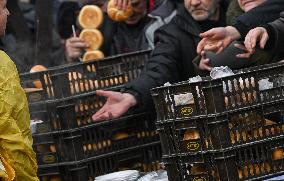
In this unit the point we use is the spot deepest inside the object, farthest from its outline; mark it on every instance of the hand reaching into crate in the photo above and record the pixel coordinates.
(116, 105)
(217, 39)
(257, 34)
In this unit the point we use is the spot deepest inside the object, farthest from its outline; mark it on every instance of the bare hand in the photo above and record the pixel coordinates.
(74, 47)
(257, 34)
(122, 4)
(117, 104)
(243, 55)
(217, 39)
(204, 63)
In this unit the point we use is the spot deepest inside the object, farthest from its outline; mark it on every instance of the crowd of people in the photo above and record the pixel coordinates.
(187, 38)
(198, 29)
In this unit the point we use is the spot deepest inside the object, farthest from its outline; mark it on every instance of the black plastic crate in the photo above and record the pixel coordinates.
(251, 125)
(250, 162)
(144, 158)
(218, 96)
(65, 114)
(100, 138)
(64, 81)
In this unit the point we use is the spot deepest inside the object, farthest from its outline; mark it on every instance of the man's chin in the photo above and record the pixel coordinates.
(200, 17)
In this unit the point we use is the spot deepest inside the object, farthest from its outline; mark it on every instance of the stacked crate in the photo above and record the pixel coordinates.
(223, 129)
(68, 144)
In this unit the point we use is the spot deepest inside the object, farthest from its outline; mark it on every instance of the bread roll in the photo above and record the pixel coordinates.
(191, 134)
(30, 90)
(52, 148)
(93, 38)
(93, 55)
(74, 75)
(90, 17)
(37, 68)
(277, 154)
(116, 14)
(120, 136)
(198, 169)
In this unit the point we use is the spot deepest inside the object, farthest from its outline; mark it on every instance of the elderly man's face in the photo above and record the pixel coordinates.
(4, 13)
(202, 10)
(139, 11)
(247, 5)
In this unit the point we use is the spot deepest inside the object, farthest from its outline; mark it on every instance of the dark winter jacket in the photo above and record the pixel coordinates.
(260, 56)
(275, 31)
(171, 60)
(266, 12)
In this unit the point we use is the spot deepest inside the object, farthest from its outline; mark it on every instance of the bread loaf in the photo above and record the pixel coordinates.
(116, 14)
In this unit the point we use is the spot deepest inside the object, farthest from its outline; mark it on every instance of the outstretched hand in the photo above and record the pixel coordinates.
(217, 39)
(254, 36)
(116, 105)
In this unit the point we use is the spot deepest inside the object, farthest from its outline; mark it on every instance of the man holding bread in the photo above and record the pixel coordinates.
(132, 32)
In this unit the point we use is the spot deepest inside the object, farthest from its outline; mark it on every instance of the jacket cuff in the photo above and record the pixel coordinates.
(242, 29)
(127, 89)
(272, 36)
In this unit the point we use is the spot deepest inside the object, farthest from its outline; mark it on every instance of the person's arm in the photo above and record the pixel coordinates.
(275, 31)
(74, 47)
(264, 13)
(269, 37)
(161, 67)
(217, 39)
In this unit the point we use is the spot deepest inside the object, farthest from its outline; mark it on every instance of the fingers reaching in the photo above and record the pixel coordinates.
(204, 64)
(247, 54)
(263, 40)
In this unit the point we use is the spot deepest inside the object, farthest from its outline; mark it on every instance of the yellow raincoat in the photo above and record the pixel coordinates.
(16, 153)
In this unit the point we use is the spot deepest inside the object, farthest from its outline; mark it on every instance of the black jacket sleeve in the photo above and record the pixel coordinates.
(263, 14)
(275, 31)
(162, 67)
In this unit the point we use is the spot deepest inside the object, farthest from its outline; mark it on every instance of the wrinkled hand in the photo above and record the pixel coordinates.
(217, 39)
(247, 54)
(74, 48)
(122, 4)
(116, 105)
(204, 63)
(255, 35)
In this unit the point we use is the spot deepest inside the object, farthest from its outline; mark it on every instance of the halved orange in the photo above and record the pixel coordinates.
(116, 14)
(90, 17)
(93, 55)
(93, 38)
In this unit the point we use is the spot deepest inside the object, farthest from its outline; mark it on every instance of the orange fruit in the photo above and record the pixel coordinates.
(93, 38)
(93, 55)
(37, 68)
(116, 14)
(90, 17)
